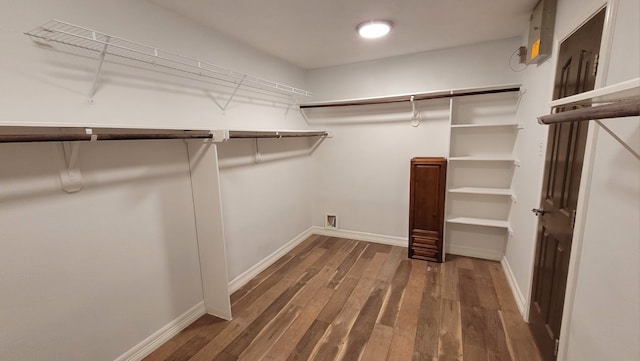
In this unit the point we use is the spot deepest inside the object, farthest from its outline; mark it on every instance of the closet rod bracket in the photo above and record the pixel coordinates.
(415, 121)
(68, 153)
(257, 155)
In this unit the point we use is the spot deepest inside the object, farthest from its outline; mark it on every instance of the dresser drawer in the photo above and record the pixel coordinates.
(425, 242)
(427, 254)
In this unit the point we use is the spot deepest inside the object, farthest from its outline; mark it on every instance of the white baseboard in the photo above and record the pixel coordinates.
(517, 294)
(151, 343)
(483, 253)
(247, 275)
(361, 236)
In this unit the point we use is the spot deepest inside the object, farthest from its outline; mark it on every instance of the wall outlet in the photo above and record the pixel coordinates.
(330, 221)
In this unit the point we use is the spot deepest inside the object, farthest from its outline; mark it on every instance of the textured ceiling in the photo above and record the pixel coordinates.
(321, 33)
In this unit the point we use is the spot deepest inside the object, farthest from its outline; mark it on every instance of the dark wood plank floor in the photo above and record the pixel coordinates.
(339, 299)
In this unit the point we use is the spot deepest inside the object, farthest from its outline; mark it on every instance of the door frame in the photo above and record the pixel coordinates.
(587, 170)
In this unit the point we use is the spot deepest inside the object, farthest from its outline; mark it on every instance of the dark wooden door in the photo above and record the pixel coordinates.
(575, 73)
(426, 208)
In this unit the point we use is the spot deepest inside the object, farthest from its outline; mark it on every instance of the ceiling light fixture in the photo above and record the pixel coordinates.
(374, 29)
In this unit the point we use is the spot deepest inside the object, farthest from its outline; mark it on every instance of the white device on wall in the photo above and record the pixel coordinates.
(541, 27)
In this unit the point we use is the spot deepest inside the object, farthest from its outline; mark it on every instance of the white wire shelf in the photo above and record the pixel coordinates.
(105, 45)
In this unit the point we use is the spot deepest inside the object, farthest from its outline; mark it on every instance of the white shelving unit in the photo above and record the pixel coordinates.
(481, 166)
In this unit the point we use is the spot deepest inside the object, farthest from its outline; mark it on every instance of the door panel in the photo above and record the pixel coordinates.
(575, 73)
(427, 189)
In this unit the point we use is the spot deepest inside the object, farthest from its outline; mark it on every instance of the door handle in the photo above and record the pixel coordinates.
(538, 211)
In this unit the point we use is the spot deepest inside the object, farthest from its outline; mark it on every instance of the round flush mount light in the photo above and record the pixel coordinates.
(374, 29)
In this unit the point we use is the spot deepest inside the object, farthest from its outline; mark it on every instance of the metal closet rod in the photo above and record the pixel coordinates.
(623, 108)
(409, 98)
(26, 138)
(275, 134)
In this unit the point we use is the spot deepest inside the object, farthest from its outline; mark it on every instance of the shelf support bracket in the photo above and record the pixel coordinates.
(235, 91)
(68, 153)
(521, 93)
(304, 115)
(103, 53)
(414, 114)
(70, 175)
(624, 144)
(291, 105)
(317, 143)
(258, 155)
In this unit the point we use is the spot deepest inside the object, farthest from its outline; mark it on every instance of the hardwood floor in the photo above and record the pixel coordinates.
(339, 299)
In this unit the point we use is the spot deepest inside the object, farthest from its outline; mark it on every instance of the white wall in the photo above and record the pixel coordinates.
(527, 179)
(87, 276)
(362, 174)
(605, 320)
(463, 67)
(263, 204)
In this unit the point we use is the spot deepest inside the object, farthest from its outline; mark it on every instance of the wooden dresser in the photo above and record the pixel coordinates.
(426, 208)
